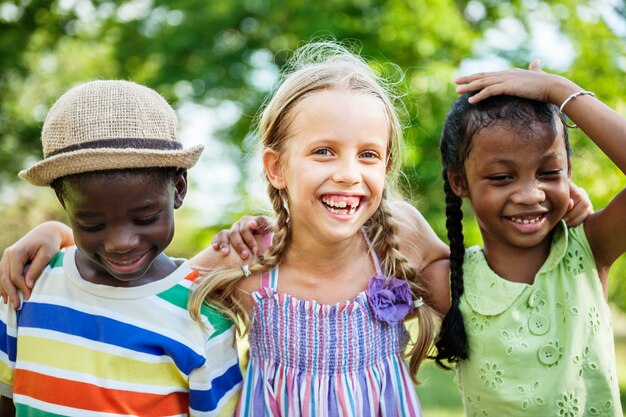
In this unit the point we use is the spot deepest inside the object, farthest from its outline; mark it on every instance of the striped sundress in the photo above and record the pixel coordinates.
(310, 359)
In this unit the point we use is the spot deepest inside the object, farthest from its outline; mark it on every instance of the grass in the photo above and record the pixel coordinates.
(440, 398)
(438, 393)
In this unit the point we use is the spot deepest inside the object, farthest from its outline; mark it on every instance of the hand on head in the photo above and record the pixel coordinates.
(532, 84)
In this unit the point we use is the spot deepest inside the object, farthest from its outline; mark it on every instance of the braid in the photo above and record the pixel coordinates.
(383, 232)
(220, 287)
(452, 341)
(282, 231)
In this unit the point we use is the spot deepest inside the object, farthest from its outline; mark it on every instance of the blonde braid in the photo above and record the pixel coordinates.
(219, 288)
(383, 231)
(282, 231)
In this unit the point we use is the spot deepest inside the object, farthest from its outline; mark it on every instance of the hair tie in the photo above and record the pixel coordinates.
(246, 270)
(417, 303)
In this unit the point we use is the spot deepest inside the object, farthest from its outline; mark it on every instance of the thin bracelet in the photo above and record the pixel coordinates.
(567, 100)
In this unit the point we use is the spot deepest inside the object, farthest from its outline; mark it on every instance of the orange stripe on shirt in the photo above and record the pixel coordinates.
(85, 396)
(192, 276)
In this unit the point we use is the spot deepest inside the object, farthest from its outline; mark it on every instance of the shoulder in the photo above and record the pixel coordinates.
(423, 248)
(418, 240)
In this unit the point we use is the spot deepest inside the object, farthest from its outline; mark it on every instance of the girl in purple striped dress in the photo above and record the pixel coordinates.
(325, 302)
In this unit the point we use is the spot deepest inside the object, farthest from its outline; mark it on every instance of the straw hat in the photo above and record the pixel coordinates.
(109, 124)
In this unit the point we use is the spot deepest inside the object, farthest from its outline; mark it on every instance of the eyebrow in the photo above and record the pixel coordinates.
(145, 207)
(91, 214)
(498, 160)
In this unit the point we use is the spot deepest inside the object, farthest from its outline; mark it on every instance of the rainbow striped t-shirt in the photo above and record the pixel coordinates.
(83, 349)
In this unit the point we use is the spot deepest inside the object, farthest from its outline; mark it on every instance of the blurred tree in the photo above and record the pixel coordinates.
(217, 52)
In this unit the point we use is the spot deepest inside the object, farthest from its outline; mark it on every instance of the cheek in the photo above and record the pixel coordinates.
(163, 231)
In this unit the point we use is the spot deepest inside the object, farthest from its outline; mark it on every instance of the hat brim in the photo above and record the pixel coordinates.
(88, 160)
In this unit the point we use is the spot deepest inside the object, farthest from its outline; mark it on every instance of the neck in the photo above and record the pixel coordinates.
(327, 273)
(527, 262)
(312, 255)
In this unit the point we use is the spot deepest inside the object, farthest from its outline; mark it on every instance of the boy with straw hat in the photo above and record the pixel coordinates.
(106, 330)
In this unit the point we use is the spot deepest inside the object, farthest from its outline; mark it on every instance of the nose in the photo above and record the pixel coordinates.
(529, 193)
(347, 172)
(120, 240)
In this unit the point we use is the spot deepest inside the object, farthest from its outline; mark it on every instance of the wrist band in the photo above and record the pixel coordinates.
(567, 100)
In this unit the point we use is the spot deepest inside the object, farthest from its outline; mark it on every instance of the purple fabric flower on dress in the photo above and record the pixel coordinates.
(391, 299)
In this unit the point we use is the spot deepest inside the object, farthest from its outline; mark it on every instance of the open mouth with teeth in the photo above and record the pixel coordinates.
(126, 265)
(341, 205)
(527, 219)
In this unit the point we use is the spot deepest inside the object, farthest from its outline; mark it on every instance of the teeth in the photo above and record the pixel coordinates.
(123, 262)
(341, 204)
(526, 221)
(344, 211)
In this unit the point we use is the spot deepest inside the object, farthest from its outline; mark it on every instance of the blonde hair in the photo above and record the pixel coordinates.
(316, 67)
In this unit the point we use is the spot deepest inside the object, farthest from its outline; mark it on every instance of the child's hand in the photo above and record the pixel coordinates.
(533, 84)
(34, 249)
(241, 236)
(580, 206)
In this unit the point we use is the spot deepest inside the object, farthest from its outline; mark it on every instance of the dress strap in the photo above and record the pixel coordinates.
(375, 260)
(269, 279)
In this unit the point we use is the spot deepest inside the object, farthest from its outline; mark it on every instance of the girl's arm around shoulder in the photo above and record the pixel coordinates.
(36, 248)
(422, 247)
(211, 260)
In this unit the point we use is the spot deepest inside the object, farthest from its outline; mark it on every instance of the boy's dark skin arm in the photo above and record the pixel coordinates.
(7, 409)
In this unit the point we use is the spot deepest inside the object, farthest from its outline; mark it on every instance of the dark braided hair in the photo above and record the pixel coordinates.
(464, 120)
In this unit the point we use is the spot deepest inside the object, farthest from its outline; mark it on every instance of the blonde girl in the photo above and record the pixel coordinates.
(327, 334)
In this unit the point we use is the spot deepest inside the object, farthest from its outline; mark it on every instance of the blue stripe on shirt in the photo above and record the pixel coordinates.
(106, 330)
(208, 400)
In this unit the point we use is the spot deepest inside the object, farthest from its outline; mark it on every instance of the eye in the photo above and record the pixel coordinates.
(147, 220)
(91, 229)
(550, 173)
(500, 178)
(369, 155)
(323, 152)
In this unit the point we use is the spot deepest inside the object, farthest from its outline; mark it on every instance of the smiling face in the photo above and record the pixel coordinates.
(334, 163)
(122, 223)
(518, 183)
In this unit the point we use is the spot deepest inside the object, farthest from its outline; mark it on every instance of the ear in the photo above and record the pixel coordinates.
(458, 184)
(273, 169)
(180, 187)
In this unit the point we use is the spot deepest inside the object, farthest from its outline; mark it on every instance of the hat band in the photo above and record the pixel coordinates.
(162, 144)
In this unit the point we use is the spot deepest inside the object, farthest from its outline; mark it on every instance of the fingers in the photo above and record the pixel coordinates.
(264, 224)
(535, 65)
(8, 291)
(221, 242)
(486, 85)
(3, 273)
(240, 237)
(578, 212)
(237, 241)
(34, 270)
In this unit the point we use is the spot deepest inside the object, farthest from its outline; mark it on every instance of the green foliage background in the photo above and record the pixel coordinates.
(217, 52)
(222, 51)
